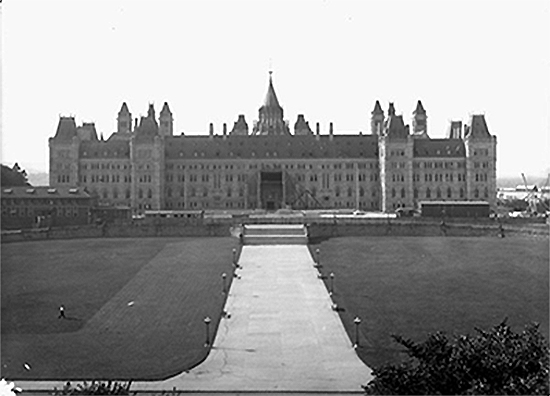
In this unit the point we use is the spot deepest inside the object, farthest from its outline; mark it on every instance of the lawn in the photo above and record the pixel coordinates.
(415, 285)
(173, 283)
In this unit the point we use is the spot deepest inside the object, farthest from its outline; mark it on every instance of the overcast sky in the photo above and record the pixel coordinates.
(331, 61)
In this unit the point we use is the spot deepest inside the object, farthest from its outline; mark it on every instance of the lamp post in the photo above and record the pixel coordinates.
(317, 259)
(357, 322)
(331, 283)
(207, 321)
(224, 276)
(234, 256)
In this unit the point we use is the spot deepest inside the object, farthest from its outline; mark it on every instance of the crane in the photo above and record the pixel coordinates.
(533, 199)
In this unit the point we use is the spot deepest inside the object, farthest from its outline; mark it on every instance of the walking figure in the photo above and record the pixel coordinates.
(443, 227)
(61, 312)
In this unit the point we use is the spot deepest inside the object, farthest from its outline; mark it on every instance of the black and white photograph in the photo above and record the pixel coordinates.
(310, 197)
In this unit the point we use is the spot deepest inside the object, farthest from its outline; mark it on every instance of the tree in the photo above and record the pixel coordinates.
(492, 362)
(13, 176)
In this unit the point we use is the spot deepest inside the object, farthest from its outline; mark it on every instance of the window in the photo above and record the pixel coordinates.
(449, 192)
(428, 193)
(393, 192)
(438, 192)
(402, 193)
(149, 193)
(476, 193)
(415, 193)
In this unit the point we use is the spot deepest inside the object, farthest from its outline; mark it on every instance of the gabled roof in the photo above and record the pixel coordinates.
(439, 148)
(66, 128)
(271, 98)
(271, 147)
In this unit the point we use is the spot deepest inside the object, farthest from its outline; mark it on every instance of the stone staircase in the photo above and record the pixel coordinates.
(275, 234)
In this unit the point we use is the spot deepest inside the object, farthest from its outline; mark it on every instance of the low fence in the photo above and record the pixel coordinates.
(319, 228)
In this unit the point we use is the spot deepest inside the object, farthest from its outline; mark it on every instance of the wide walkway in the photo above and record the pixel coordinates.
(282, 334)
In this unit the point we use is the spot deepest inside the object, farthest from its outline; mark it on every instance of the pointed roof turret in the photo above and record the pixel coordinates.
(377, 109)
(391, 110)
(151, 111)
(165, 109)
(419, 108)
(271, 97)
(124, 109)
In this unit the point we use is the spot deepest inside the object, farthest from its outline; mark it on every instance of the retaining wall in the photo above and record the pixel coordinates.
(318, 229)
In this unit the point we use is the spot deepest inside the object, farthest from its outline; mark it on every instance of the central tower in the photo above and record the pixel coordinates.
(271, 120)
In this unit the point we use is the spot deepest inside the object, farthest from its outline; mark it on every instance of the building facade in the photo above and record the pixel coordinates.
(37, 207)
(143, 165)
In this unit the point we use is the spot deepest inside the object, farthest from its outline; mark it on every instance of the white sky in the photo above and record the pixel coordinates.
(331, 60)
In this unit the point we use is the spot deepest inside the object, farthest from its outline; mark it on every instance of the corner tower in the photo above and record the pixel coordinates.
(270, 120)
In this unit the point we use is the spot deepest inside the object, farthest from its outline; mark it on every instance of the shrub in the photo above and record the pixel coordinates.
(95, 388)
(492, 362)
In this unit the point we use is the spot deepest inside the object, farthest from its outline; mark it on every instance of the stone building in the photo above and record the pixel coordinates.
(37, 207)
(143, 165)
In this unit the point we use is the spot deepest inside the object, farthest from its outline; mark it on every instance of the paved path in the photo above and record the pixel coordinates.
(282, 334)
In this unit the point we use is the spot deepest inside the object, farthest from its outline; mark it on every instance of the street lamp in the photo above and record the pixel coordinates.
(357, 322)
(207, 321)
(318, 258)
(331, 283)
(224, 276)
(234, 256)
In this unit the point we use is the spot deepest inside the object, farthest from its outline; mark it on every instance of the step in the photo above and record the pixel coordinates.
(274, 229)
(275, 240)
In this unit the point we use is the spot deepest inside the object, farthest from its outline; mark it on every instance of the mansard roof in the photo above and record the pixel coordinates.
(477, 127)
(66, 128)
(439, 148)
(271, 147)
(395, 127)
(114, 149)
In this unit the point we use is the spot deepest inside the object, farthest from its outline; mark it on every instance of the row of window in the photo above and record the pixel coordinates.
(439, 165)
(31, 212)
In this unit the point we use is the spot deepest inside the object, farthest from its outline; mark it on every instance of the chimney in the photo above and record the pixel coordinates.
(211, 130)
(317, 132)
(224, 130)
(330, 131)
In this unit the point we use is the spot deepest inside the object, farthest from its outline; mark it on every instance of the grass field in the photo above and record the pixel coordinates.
(405, 285)
(173, 282)
(415, 285)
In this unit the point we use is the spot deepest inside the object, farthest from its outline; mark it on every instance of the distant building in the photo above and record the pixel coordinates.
(36, 207)
(143, 165)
